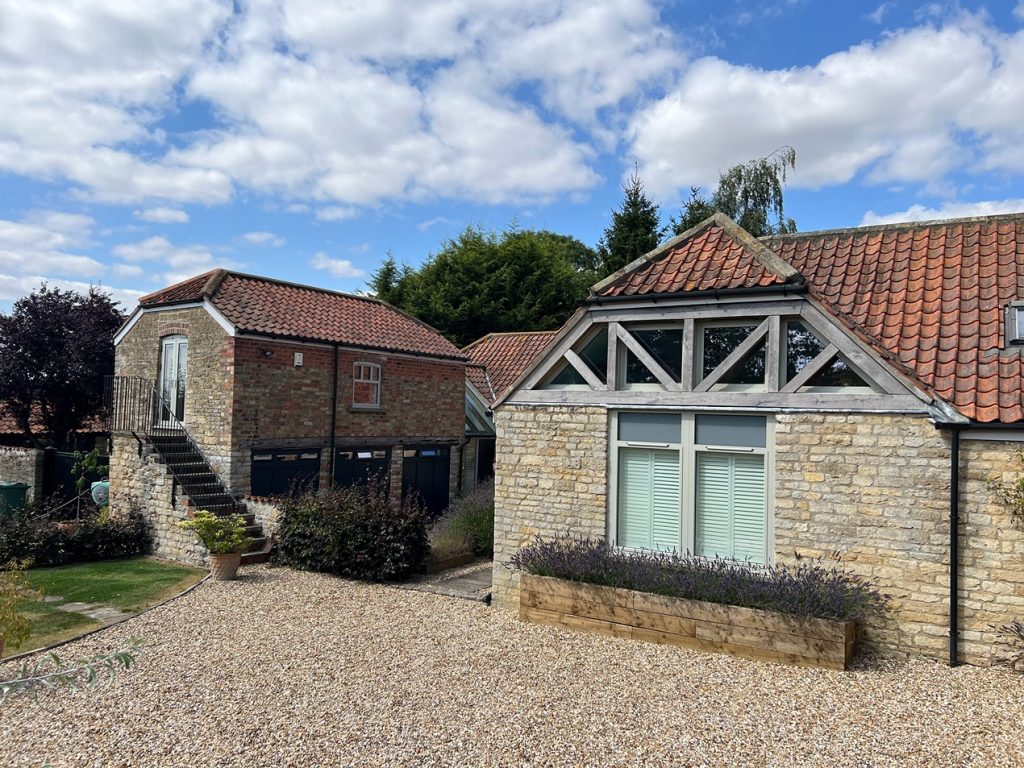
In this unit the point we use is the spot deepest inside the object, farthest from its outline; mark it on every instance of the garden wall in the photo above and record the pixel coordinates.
(22, 465)
(147, 481)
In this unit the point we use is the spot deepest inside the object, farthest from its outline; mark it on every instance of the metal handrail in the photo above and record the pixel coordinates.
(143, 411)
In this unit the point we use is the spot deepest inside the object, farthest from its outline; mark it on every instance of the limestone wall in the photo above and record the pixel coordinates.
(147, 481)
(22, 465)
(550, 479)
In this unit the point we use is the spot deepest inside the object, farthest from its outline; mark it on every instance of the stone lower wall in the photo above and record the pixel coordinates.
(147, 481)
(550, 480)
(266, 513)
(23, 465)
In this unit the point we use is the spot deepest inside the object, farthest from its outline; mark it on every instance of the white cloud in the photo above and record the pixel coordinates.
(44, 241)
(263, 238)
(336, 213)
(359, 248)
(163, 215)
(170, 263)
(335, 267)
(13, 287)
(911, 108)
(1019, 10)
(423, 226)
(955, 210)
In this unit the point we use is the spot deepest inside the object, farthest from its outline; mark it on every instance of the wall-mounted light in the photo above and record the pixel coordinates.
(298, 359)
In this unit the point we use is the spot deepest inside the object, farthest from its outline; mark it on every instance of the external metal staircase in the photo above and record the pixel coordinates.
(134, 405)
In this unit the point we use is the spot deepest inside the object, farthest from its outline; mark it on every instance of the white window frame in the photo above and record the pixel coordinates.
(1012, 324)
(688, 451)
(364, 372)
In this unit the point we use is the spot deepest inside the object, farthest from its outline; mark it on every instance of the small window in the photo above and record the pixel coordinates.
(1015, 324)
(594, 354)
(719, 343)
(802, 346)
(366, 385)
(665, 345)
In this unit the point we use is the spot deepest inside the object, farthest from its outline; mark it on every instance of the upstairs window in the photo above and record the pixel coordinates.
(718, 344)
(366, 385)
(1015, 324)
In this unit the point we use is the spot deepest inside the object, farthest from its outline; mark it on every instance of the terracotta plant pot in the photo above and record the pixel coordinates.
(225, 567)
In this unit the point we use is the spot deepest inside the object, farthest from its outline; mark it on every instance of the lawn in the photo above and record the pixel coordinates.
(129, 585)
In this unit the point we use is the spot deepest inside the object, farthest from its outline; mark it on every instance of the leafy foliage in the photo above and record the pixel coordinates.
(472, 515)
(14, 591)
(482, 282)
(33, 534)
(55, 348)
(221, 534)
(446, 542)
(50, 672)
(749, 193)
(809, 589)
(353, 532)
(636, 228)
(1015, 632)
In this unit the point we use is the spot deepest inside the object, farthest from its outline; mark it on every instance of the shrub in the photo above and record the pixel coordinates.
(472, 515)
(14, 590)
(353, 532)
(221, 535)
(809, 589)
(446, 542)
(29, 535)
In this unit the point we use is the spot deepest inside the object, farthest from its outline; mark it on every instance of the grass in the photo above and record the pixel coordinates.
(130, 585)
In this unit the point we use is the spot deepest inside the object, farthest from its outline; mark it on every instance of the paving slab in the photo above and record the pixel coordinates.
(469, 582)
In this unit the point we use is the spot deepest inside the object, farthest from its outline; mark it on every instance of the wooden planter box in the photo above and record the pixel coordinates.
(745, 632)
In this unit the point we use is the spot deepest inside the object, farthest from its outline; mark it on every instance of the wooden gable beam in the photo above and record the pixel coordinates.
(822, 359)
(645, 357)
(583, 370)
(553, 357)
(741, 351)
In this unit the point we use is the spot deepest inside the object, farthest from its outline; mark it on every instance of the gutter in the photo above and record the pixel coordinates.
(786, 289)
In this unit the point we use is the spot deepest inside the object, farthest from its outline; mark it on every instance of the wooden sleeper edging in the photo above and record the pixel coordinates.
(745, 632)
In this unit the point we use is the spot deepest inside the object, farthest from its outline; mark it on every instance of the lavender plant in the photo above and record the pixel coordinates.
(811, 588)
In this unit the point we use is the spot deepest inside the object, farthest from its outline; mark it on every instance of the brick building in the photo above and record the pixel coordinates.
(852, 390)
(231, 387)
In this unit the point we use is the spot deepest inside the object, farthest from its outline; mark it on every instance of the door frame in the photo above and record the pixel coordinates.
(179, 343)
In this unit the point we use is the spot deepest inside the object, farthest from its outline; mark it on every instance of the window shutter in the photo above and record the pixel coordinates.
(714, 490)
(731, 506)
(648, 504)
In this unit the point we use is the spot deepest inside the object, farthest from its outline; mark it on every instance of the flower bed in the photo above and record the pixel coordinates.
(806, 615)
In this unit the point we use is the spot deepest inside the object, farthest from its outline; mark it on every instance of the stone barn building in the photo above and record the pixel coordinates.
(853, 391)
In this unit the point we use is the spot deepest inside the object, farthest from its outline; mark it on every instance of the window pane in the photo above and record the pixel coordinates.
(648, 499)
(728, 430)
(568, 376)
(720, 342)
(595, 354)
(1019, 316)
(802, 346)
(650, 427)
(836, 374)
(663, 344)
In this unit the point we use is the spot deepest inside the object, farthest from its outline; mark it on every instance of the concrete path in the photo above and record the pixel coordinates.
(469, 582)
(107, 614)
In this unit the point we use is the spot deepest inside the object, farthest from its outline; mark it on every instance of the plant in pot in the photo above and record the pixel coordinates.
(224, 536)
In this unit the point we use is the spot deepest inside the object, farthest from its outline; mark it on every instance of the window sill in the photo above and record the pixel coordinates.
(365, 409)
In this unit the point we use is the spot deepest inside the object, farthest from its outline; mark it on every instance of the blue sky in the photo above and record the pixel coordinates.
(143, 143)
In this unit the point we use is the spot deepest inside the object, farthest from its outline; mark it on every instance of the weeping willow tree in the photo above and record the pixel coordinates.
(751, 194)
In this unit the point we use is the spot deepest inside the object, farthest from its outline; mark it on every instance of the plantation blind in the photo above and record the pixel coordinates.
(731, 506)
(648, 503)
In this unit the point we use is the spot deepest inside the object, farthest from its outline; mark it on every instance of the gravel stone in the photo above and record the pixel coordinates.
(282, 668)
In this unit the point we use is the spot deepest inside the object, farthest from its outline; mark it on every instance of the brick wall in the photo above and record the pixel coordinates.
(22, 465)
(873, 488)
(550, 479)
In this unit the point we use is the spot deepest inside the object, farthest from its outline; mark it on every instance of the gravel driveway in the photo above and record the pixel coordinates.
(293, 669)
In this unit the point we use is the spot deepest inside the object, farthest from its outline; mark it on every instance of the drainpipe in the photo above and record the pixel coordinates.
(334, 418)
(954, 543)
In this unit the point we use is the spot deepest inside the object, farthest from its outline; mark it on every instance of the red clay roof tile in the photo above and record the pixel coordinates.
(269, 307)
(498, 359)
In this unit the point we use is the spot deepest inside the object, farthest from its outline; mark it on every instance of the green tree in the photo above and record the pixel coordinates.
(750, 194)
(56, 347)
(482, 282)
(636, 228)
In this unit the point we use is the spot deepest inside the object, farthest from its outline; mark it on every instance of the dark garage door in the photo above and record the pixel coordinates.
(355, 466)
(284, 473)
(425, 471)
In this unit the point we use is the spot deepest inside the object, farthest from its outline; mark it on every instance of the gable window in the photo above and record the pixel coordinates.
(593, 354)
(719, 343)
(366, 385)
(803, 348)
(1015, 324)
(696, 483)
(665, 345)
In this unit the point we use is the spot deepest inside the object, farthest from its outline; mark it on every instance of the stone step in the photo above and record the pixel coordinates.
(258, 556)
